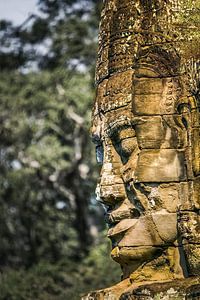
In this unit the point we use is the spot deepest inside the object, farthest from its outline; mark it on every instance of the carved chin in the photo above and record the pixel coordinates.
(135, 255)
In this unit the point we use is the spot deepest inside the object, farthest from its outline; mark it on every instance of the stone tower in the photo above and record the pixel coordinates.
(147, 133)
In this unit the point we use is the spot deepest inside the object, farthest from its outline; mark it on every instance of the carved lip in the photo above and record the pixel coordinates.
(122, 226)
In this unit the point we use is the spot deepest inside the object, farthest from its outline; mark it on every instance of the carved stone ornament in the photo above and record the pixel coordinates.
(147, 133)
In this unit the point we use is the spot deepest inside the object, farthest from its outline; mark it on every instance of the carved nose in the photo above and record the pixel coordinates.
(121, 213)
(111, 194)
(111, 188)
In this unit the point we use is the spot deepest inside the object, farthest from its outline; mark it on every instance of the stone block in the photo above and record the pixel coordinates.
(164, 165)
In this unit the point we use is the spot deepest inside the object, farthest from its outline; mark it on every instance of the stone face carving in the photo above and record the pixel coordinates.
(147, 132)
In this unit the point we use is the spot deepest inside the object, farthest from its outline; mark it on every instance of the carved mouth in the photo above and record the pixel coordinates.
(120, 220)
(145, 230)
(122, 226)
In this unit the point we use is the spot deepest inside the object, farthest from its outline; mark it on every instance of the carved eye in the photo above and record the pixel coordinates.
(99, 154)
(125, 143)
(127, 146)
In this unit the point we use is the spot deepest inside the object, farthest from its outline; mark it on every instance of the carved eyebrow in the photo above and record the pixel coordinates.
(113, 128)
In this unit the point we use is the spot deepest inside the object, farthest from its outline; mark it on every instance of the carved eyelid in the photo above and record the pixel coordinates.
(125, 136)
(113, 130)
(123, 150)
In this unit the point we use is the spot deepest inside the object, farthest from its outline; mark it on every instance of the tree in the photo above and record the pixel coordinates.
(67, 31)
(46, 161)
(45, 166)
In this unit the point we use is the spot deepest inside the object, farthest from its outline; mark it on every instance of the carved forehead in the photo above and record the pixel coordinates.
(148, 95)
(114, 93)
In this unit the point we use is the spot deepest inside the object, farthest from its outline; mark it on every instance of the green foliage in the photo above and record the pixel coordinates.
(66, 280)
(188, 25)
(67, 31)
(45, 160)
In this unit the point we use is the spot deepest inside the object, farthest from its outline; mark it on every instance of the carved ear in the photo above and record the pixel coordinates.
(188, 111)
(186, 104)
(192, 69)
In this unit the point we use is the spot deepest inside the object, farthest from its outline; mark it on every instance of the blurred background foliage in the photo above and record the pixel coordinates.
(51, 228)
